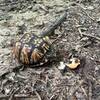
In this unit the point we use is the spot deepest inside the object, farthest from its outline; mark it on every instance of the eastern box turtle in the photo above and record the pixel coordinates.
(34, 51)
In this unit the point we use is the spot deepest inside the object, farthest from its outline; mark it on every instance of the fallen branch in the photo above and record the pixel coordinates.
(88, 35)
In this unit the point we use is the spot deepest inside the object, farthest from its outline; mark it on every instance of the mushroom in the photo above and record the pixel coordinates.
(74, 63)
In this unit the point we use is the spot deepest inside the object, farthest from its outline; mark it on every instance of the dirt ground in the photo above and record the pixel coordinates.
(80, 37)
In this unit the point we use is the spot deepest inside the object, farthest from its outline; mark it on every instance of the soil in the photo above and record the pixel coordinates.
(80, 37)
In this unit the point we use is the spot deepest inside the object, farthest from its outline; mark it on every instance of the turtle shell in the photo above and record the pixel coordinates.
(33, 51)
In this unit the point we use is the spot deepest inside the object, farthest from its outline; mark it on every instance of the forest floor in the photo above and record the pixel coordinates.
(80, 36)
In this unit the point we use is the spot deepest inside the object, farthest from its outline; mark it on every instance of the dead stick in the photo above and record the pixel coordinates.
(88, 35)
(51, 28)
(37, 95)
(54, 26)
(90, 90)
(12, 94)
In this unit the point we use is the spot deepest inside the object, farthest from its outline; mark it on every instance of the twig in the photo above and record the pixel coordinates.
(52, 96)
(88, 35)
(12, 94)
(37, 95)
(90, 90)
(41, 81)
(23, 36)
(84, 91)
(80, 31)
(54, 26)
(59, 37)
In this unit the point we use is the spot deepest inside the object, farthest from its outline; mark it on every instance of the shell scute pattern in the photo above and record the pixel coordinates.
(33, 51)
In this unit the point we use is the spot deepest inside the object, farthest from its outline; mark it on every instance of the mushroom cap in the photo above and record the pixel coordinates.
(75, 62)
